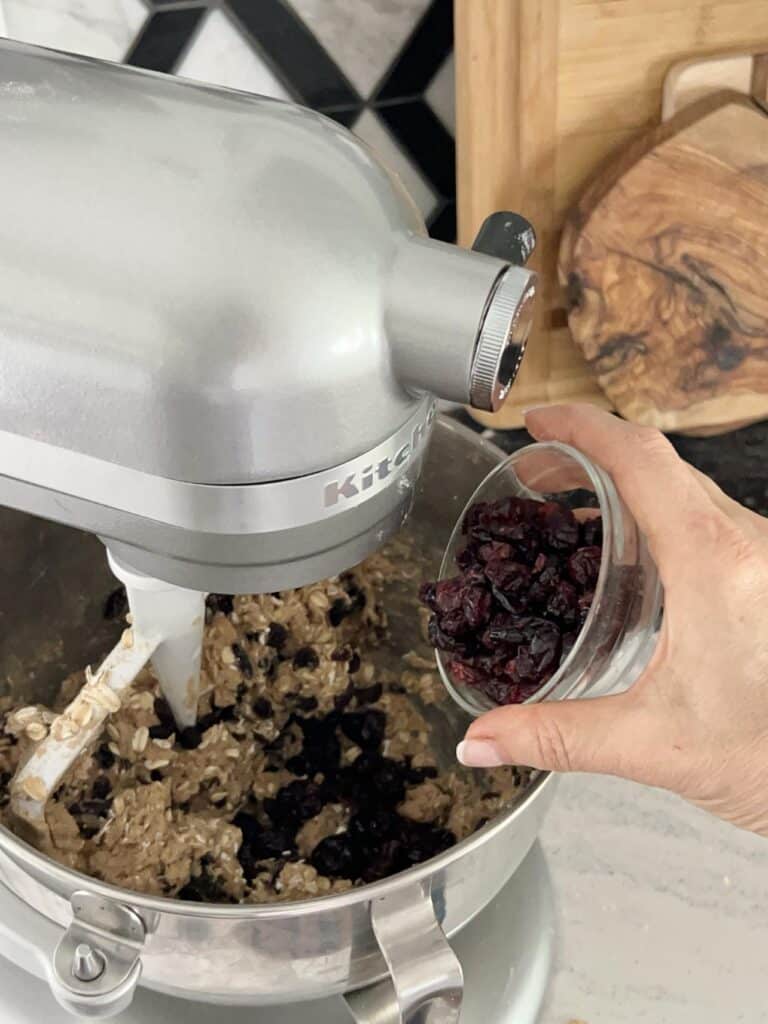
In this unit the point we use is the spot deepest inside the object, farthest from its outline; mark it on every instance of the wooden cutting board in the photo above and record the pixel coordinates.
(546, 90)
(665, 262)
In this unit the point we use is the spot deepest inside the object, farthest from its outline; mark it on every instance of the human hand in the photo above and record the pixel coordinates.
(696, 722)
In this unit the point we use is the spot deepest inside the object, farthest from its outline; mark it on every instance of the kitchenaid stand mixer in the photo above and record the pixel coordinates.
(222, 333)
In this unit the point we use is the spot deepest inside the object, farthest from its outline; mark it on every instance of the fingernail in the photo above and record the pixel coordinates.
(478, 754)
(533, 408)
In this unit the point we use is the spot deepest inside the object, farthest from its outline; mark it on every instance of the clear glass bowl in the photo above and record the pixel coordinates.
(621, 629)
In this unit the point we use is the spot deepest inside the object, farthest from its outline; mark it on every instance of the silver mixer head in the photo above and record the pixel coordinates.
(222, 325)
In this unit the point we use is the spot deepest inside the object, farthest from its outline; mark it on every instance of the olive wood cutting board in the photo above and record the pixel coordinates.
(665, 263)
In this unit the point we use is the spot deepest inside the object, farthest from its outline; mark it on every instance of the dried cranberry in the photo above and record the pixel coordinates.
(494, 551)
(476, 607)
(559, 527)
(591, 531)
(449, 595)
(584, 566)
(454, 623)
(511, 578)
(563, 604)
(467, 558)
(585, 603)
(540, 655)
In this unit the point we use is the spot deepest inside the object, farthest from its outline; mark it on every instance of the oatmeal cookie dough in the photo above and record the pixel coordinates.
(308, 771)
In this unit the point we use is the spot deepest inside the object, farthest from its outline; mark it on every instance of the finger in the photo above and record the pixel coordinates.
(676, 515)
(617, 735)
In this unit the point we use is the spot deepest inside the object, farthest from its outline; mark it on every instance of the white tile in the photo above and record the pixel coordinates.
(373, 131)
(221, 56)
(96, 28)
(362, 36)
(3, 25)
(441, 94)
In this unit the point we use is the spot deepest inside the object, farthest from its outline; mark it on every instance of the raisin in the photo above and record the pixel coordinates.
(294, 804)
(354, 664)
(104, 757)
(365, 728)
(341, 654)
(191, 737)
(204, 889)
(156, 775)
(277, 636)
(306, 657)
(116, 604)
(162, 731)
(306, 703)
(339, 610)
(223, 603)
(337, 857)
(321, 750)
(369, 694)
(243, 661)
(101, 788)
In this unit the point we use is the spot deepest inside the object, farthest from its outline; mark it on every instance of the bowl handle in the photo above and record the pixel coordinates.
(426, 981)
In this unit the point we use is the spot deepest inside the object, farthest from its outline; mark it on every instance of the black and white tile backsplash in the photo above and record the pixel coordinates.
(382, 67)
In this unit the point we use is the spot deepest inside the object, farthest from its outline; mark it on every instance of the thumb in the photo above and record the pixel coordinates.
(612, 735)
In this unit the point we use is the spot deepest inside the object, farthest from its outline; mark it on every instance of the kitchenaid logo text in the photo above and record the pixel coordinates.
(371, 476)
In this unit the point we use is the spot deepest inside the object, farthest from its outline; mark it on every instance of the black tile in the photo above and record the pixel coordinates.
(425, 140)
(442, 222)
(164, 38)
(423, 54)
(298, 58)
(346, 116)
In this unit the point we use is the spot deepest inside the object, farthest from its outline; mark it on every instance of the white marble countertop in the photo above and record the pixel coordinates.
(663, 911)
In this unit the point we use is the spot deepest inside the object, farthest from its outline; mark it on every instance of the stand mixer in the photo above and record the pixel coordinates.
(223, 331)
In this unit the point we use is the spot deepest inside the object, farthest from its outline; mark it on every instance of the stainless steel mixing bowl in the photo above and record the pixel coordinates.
(382, 944)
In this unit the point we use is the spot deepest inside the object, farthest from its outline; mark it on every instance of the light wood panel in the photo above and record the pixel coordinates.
(547, 90)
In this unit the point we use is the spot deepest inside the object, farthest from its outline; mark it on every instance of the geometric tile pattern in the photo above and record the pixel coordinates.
(381, 67)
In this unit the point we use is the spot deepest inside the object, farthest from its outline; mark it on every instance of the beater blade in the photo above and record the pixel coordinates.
(79, 725)
(178, 617)
(167, 628)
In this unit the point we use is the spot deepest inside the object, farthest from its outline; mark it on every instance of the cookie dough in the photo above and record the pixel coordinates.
(309, 770)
